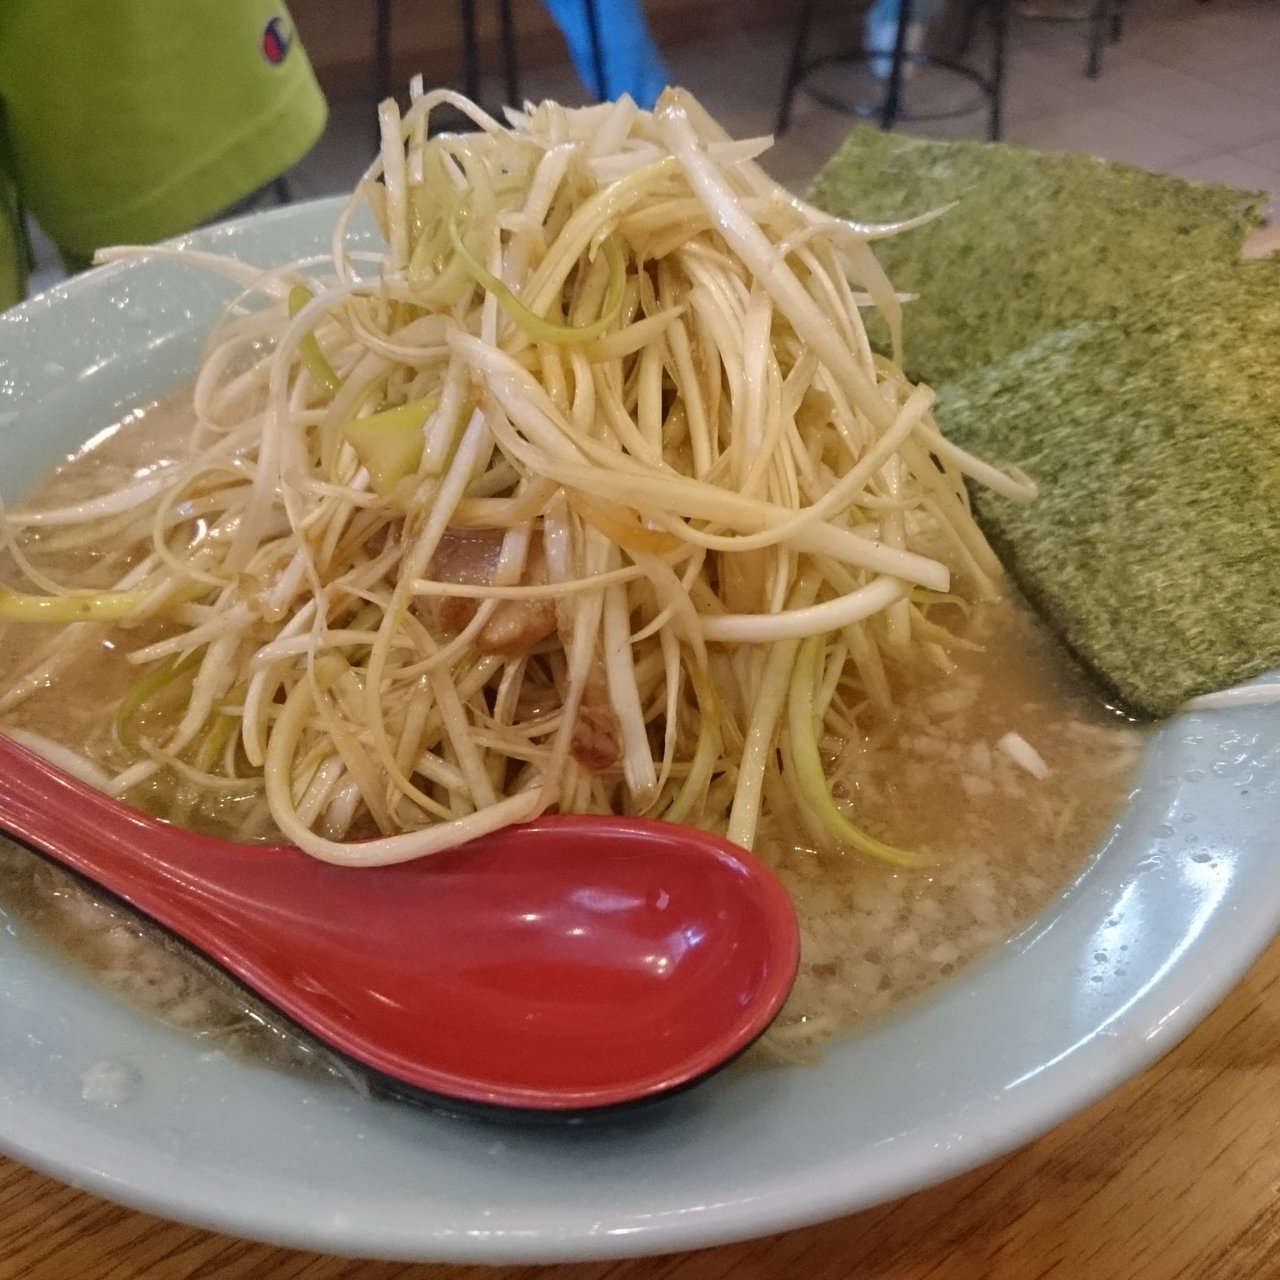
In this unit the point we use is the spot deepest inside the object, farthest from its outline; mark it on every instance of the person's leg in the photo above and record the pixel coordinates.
(631, 60)
(880, 30)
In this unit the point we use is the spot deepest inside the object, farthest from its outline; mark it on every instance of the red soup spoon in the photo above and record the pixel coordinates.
(570, 964)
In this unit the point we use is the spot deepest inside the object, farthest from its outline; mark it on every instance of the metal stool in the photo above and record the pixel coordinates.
(889, 111)
(471, 50)
(1106, 26)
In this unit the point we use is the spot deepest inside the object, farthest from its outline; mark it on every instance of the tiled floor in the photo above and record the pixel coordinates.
(1192, 88)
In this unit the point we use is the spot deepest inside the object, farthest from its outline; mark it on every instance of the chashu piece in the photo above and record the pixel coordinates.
(470, 557)
(597, 731)
(516, 627)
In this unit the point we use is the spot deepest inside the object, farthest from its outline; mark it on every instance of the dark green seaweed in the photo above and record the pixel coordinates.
(1096, 325)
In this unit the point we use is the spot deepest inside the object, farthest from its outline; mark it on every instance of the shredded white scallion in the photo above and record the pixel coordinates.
(588, 492)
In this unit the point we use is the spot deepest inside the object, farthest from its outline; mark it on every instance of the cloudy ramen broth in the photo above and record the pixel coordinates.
(1003, 842)
(123, 952)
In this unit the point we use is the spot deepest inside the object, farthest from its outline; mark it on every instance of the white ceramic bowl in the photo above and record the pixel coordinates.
(1173, 910)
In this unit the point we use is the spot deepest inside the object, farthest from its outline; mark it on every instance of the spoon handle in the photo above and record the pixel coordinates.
(310, 939)
(94, 834)
(204, 889)
(574, 963)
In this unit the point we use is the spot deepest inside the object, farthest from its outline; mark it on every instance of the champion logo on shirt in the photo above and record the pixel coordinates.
(276, 41)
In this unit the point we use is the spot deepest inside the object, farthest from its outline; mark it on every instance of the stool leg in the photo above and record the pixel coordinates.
(470, 50)
(1097, 37)
(970, 20)
(1117, 19)
(509, 68)
(999, 39)
(892, 103)
(795, 67)
(382, 50)
(381, 62)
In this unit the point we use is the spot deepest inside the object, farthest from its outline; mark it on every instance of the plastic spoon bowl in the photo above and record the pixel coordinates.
(571, 964)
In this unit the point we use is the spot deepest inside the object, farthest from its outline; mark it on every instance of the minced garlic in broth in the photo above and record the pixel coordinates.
(140, 963)
(931, 778)
(1003, 843)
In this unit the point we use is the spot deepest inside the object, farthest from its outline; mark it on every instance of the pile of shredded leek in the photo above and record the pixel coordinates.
(604, 345)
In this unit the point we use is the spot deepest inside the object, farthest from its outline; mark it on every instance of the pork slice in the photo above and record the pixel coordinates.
(597, 732)
(471, 556)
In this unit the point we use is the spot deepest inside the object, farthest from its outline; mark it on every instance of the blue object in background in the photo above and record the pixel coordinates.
(612, 47)
(880, 29)
(884, 13)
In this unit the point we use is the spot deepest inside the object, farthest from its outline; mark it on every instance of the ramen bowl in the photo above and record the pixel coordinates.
(1173, 907)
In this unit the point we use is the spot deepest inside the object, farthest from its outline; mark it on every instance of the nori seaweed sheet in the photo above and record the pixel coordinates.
(1096, 325)
(1153, 547)
(1034, 243)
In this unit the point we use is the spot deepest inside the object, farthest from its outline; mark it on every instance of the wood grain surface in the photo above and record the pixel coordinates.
(1173, 1177)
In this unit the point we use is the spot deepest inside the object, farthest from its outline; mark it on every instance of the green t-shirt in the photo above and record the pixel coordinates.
(135, 120)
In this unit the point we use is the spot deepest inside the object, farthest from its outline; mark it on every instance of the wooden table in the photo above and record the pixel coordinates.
(1174, 1175)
